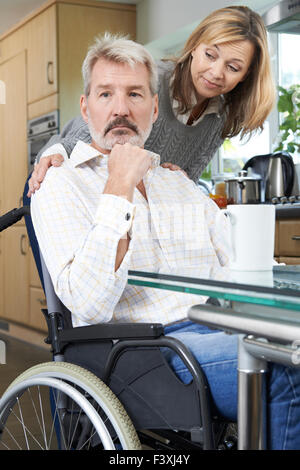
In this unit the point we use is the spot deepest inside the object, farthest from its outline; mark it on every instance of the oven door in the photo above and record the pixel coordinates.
(35, 144)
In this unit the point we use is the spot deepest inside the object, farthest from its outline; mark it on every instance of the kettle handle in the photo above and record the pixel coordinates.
(290, 173)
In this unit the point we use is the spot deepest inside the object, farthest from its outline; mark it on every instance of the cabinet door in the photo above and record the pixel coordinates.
(289, 260)
(16, 274)
(13, 146)
(36, 304)
(1, 276)
(77, 27)
(289, 237)
(42, 72)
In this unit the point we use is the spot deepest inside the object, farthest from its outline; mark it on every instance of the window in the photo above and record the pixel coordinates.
(289, 76)
(234, 153)
(289, 63)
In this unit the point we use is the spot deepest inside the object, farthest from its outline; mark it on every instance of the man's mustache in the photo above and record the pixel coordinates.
(121, 121)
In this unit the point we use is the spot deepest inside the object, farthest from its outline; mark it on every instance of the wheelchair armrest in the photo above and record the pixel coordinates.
(110, 331)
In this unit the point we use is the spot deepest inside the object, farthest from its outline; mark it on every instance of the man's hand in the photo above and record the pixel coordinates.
(173, 167)
(40, 171)
(127, 165)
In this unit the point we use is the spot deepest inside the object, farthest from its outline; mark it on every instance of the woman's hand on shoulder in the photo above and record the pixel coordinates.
(40, 170)
(173, 167)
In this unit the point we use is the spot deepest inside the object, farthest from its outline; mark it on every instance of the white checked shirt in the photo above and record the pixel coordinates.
(78, 229)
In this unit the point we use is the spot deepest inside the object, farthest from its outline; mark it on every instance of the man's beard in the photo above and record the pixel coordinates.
(119, 136)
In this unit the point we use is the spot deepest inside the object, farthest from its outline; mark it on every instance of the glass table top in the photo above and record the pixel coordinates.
(279, 288)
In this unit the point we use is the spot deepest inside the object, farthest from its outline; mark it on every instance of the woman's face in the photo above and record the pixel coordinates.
(217, 68)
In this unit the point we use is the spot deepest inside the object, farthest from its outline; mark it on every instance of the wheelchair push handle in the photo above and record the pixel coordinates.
(13, 216)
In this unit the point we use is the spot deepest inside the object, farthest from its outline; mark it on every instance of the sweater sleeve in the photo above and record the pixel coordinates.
(200, 161)
(76, 129)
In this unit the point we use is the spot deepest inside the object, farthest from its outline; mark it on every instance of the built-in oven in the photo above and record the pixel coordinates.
(39, 131)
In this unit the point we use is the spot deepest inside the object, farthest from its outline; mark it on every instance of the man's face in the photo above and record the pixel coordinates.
(120, 107)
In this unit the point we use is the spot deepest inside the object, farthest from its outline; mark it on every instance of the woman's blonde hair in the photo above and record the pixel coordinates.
(250, 102)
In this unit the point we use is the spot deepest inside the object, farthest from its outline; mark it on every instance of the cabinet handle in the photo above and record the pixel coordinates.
(23, 237)
(296, 237)
(49, 67)
(42, 301)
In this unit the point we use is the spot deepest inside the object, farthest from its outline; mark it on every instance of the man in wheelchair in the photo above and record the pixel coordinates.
(111, 208)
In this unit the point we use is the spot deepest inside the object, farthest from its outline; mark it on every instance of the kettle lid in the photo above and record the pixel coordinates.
(243, 176)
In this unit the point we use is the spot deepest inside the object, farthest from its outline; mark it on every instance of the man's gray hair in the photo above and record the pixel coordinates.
(122, 50)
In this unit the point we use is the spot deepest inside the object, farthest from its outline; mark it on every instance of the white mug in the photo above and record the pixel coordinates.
(252, 234)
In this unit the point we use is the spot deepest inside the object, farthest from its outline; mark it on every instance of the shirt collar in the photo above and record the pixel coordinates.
(213, 107)
(83, 152)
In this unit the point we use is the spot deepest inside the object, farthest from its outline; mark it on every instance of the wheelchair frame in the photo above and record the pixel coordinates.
(115, 343)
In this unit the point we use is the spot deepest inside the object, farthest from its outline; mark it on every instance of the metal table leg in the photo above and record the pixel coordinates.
(251, 400)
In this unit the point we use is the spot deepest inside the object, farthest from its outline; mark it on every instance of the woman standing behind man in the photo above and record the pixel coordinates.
(220, 86)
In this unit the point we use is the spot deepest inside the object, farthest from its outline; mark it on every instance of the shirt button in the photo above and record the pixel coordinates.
(127, 216)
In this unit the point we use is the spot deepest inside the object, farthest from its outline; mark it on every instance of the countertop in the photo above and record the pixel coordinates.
(288, 211)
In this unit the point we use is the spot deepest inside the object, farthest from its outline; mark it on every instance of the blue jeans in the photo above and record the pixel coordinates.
(216, 352)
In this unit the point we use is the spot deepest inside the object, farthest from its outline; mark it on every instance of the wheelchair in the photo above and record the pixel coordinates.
(109, 386)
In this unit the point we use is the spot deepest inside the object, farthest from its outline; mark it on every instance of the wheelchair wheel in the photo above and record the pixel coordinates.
(59, 405)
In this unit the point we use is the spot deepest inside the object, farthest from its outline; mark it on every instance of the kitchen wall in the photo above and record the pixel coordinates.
(163, 25)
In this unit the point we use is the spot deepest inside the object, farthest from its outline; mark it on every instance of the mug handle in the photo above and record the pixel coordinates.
(232, 221)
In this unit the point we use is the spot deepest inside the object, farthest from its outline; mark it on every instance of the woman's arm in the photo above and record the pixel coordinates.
(59, 146)
(76, 129)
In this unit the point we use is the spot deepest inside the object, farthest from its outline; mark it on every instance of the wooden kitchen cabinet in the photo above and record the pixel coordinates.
(1, 276)
(13, 164)
(287, 241)
(37, 302)
(13, 147)
(56, 38)
(37, 299)
(16, 274)
(42, 55)
(77, 27)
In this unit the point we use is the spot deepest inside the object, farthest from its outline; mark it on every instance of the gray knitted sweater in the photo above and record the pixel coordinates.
(190, 147)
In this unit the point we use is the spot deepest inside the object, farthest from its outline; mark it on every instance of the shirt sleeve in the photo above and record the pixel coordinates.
(79, 248)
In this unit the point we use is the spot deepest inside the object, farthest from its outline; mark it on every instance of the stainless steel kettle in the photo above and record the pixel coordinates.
(277, 171)
(274, 184)
(279, 178)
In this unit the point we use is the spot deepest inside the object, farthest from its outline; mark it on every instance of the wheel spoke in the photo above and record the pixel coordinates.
(79, 412)
(42, 416)
(58, 413)
(88, 441)
(36, 412)
(22, 422)
(12, 437)
(26, 430)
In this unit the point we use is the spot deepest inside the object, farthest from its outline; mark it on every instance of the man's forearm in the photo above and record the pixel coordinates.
(122, 249)
(119, 188)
